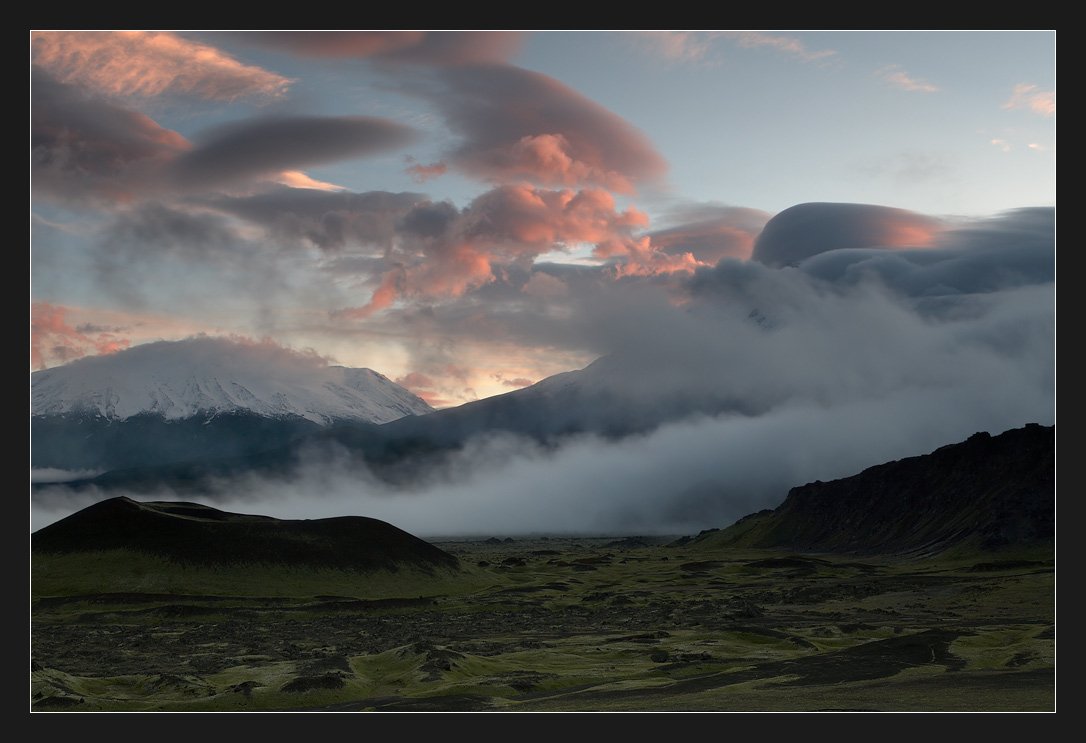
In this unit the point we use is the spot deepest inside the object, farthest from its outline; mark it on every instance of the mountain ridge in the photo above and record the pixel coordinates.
(987, 493)
(210, 376)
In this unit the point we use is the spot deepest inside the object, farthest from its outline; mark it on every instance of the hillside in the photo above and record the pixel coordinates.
(195, 534)
(988, 493)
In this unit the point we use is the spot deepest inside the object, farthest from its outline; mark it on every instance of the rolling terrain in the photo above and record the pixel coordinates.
(180, 607)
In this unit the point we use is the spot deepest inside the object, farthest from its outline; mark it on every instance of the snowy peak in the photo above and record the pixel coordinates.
(208, 376)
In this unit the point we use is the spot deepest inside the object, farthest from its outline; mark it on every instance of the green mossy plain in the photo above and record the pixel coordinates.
(571, 624)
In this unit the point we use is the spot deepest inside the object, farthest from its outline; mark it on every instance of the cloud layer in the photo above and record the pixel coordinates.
(518, 124)
(416, 47)
(139, 63)
(829, 367)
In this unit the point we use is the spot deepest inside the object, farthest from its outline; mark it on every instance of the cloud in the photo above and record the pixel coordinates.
(545, 286)
(856, 356)
(523, 125)
(84, 148)
(680, 46)
(87, 149)
(897, 77)
(444, 253)
(837, 381)
(416, 47)
(264, 147)
(785, 44)
(711, 232)
(139, 63)
(1032, 98)
(54, 340)
(298, 179)
(421, 173)
(325, 219)
(1002, 144)
(1005, 252)
(696, 47)
(802, 231)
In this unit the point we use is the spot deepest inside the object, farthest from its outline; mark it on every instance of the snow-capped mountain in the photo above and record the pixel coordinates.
(204, 377)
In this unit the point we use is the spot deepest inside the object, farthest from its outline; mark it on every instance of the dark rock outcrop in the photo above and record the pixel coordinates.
(988, 492)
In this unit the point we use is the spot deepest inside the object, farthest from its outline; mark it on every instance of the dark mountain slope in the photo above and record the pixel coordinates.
(988, 492)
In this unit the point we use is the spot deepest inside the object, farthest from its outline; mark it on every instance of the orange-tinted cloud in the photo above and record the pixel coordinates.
(1031, 97)
(420, 47)
(443, 387)
(298, 179)
(506, 225)
(149, 64)
(421, 173)
(806, 230)
(54, 340)
(711, 233)
(523, 125)
(640, 257)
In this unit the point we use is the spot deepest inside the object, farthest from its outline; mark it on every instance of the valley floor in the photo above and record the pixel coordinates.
(566, 624)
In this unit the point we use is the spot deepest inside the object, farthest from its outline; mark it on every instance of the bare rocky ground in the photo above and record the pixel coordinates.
(576, 624)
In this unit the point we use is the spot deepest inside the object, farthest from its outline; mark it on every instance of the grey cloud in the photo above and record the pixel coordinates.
(88, 149)
(711, 232)
(327, 219)
(429, 219)
(802, 231)
(820, 376)
(1015, 249)
(262, 147)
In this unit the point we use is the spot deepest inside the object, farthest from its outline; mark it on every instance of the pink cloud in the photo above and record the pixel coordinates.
(523, 125)
(425, 47)
(149, 64)
(894, 75)
(55, 340)
(445, 253)
(421, 173)
(1031, 97)
(415, 379)
(640, 257)
(298, 179)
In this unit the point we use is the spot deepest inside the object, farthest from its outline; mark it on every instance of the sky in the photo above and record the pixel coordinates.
(463, 211)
